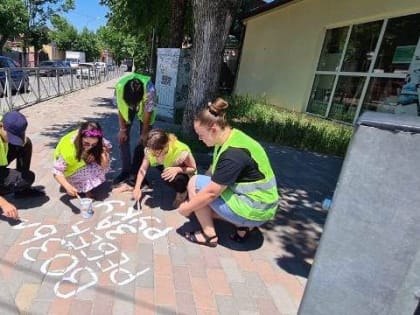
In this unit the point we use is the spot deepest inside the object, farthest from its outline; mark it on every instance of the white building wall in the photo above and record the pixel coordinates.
(281, 47)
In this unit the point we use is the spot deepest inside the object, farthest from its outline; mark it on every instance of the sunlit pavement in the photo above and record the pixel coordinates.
(125, 260)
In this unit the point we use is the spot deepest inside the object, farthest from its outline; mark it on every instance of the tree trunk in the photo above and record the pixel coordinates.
(3, 40)
(178, 9)
(212, 21)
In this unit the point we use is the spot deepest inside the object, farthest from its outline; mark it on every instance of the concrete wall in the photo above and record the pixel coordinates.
(281, 47)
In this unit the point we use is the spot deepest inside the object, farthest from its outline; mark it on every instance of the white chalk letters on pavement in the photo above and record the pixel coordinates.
(84, 250)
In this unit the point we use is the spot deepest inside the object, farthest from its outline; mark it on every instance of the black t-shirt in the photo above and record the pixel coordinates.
(235, 165)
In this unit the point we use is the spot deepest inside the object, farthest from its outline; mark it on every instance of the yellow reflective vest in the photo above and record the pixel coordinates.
(175, 150)
(67, 150)
(123, 106)
(3, 152)
(4, 147)
(257, 200)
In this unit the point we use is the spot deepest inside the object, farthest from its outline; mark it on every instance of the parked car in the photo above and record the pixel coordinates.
(66, 65)
(101, 66)
(110, 67)
(19, 77)
(86, 71)
(51, 68)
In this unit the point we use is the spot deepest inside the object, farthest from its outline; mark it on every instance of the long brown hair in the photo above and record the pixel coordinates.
(92, 130)
(157, 139)
(213, 113)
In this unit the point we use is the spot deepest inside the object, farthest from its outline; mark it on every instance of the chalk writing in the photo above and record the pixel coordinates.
(84, 249)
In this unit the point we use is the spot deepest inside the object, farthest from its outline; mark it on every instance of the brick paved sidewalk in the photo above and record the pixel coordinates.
(124, 261)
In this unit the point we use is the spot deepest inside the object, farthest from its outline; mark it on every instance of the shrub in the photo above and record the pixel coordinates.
(266, 122)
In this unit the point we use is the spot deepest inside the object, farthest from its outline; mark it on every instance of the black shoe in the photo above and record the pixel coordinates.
(29, 193)
(120, 178)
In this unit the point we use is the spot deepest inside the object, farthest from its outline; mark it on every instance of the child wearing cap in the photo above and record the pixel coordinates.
(8, 209)
(14, 145)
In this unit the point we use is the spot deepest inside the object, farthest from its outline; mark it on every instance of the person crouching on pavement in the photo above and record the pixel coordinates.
(8, 209)
(242, 188)
(14, 145)
(82, 160)
(165, 150)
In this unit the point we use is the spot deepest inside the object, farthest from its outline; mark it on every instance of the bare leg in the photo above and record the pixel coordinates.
(205, 218)
(204, 215)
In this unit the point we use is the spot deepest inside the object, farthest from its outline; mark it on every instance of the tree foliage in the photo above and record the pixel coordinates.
(13, 20)
(87, 41)
(63, 33)
(212, 23)
(133, 16)
(40, 12)
(152, 23)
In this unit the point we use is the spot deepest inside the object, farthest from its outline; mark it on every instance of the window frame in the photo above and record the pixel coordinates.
(368, 75)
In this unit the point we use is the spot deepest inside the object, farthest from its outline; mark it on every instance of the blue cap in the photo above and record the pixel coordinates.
(15, 125)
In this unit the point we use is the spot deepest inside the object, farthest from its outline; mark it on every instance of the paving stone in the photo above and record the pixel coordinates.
(185, 303)
(226, 305)
(39, 307)
(146, 280)
(256, 287)
(7, 301)
(232, 270)
(178, 255)
(223, 280)
(282, 300)
(242, 297)
(25, 295)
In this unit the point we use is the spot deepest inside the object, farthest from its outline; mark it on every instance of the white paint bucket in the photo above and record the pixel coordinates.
(86, 210)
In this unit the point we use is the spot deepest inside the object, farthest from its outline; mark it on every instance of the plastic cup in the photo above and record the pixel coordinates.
(86, 210)
(326, 204)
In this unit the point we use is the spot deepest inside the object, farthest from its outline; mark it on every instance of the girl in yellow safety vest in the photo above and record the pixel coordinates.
(242, 187)
(82, 160)
(178, 163)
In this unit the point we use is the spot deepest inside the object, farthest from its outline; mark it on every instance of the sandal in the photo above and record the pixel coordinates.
(238, 238)
(191, 236)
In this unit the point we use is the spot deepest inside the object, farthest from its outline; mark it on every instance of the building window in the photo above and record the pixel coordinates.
(370, 66)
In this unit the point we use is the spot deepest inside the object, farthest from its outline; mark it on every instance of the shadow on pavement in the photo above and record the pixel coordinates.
(108, 122)
(66, 200)
(104, 102)
(304, 180)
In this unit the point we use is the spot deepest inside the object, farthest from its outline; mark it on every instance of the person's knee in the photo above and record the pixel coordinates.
(191, 185)
(28, 144)
(23, 180)
(29, 178)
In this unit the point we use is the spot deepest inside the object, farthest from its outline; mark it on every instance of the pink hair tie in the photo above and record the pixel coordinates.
(92, 133)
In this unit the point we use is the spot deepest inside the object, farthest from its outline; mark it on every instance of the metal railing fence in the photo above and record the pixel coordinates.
(20, 87)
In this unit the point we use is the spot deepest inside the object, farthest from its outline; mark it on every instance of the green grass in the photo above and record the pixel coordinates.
(265, 122)
(269, 123)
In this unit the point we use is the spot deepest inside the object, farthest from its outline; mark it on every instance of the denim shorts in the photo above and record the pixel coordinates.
(222, 209)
